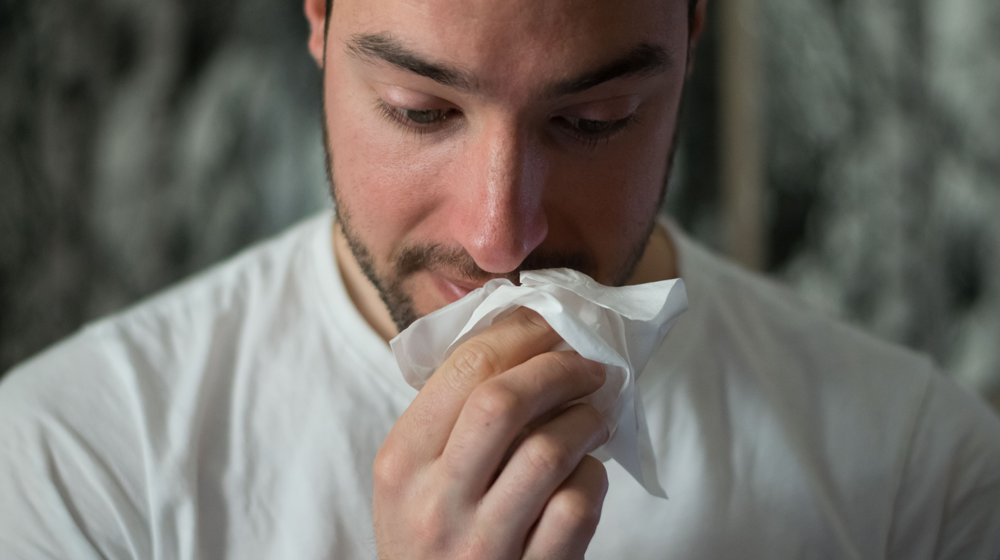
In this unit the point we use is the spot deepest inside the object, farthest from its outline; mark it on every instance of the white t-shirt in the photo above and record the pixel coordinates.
(237, 416)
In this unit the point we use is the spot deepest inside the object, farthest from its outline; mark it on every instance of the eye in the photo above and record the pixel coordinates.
(428, 116)
(591, 126)
(415, 120)
(592, 132)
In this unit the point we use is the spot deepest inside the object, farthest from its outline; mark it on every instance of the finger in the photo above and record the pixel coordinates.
(540, 464)
(571, 515)
(426, 424)
(498, 410)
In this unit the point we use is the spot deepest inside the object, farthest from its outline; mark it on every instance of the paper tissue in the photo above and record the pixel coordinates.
(618, 327)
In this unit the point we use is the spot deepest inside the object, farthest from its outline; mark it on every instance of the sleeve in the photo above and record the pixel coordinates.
(68, 460)
(948, 502)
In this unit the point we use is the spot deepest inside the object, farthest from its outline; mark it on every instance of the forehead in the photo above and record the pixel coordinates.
(506, 43)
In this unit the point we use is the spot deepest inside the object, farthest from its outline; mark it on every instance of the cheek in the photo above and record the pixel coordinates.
(384, 181)
(611, 198)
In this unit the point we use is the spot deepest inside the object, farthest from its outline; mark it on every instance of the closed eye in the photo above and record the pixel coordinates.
(592, 132)
(415, 120)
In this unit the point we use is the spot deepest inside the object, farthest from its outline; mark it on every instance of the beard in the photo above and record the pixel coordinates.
(408, 260)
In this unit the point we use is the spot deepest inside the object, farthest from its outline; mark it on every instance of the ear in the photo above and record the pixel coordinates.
(696, 28)
(316, 15)
(698, 21)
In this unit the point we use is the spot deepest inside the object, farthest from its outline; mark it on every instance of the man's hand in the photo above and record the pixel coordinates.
(442, 489)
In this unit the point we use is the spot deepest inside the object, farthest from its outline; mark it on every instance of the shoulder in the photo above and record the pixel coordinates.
(186, 330)
(266, 273)
(830, 415)
(762, 331)
(91, 427)
(768, 331)
(70, 455)
(207, 320)
(949, 484)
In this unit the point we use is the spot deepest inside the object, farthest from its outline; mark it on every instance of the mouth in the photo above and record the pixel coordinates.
(453, 289)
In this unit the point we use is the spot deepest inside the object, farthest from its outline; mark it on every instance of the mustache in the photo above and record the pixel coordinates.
(412, 259)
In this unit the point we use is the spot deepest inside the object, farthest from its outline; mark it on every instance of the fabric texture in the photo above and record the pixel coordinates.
(238, 416)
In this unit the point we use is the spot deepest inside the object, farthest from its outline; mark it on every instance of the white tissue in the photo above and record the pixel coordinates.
(618, 327)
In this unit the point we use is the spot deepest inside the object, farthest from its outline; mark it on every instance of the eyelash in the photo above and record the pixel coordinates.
(593, 139)
(589, 139)
(394, 116)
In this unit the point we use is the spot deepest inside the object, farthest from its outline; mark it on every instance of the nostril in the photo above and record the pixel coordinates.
(500, 251)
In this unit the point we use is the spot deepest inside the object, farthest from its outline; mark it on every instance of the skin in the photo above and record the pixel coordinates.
(442, 186)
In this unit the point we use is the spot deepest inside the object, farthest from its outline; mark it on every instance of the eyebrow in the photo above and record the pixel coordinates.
(645, 59)
(381, 47)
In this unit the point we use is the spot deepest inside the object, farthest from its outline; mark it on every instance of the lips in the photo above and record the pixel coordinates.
(451, 288)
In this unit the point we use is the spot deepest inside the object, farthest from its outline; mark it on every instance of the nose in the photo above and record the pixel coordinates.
(499, 218)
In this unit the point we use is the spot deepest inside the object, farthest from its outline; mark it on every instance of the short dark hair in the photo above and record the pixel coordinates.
(692, 4)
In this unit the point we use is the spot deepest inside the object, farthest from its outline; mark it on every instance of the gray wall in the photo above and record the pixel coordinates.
(882, 158)
(142, 141)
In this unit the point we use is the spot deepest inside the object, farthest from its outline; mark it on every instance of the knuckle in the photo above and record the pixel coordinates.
(548, 454)
(477, 547)
(391, 468)
(597, 424)
(571, 365)
(493, 403)
(476, 360)
(578, 510)
(430, 524)
(530, 320)
(564, 362)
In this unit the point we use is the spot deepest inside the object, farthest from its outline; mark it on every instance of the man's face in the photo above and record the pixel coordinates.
(470, 139)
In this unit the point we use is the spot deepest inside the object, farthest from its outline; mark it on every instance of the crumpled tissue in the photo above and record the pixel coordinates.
(618, 327)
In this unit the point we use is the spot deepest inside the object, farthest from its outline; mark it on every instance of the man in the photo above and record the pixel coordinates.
(256, 412)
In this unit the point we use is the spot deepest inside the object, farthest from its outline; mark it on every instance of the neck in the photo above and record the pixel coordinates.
(362, 292)
(658, 261)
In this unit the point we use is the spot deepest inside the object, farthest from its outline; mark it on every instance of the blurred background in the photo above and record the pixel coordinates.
(848, 148)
